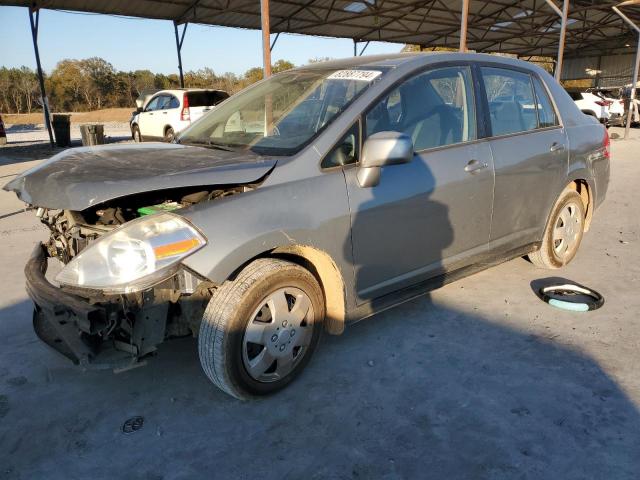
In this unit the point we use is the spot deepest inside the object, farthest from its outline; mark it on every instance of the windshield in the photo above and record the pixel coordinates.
(283, 114)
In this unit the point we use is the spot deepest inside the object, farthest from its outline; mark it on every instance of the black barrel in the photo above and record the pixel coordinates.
(62, 128)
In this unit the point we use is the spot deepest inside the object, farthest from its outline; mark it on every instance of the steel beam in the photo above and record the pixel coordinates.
(464, 19)
(275, 40)
(34, 20)
(179, 42)
(636, 65)
(266, 37)
(564, 15)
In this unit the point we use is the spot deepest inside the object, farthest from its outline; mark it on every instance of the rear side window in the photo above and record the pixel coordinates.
(546, 114)
(173, 103)
(512, 104)
(206, 98)
(575, 95)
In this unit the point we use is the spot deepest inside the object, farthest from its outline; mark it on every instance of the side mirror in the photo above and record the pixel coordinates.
(139, 110)
(380, 150)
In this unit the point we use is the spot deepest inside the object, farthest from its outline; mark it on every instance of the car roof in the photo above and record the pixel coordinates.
(417, 58)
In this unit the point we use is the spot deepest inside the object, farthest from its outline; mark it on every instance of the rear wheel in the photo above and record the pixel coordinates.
(169, 135)
(563, 233)
(259, 331)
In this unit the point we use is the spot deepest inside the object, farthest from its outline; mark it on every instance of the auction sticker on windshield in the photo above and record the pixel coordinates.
(363, 75)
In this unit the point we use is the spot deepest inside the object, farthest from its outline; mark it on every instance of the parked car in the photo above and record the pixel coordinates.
(592, 105)
(369, 182)
(166, 113)
(613, 98)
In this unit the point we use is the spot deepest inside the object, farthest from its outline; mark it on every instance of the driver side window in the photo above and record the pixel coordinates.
(435, 108)
(153, 104)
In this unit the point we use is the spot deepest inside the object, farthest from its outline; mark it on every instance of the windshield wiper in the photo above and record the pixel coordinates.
(208, 144)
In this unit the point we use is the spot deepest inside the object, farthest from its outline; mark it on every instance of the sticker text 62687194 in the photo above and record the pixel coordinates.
(363, 75)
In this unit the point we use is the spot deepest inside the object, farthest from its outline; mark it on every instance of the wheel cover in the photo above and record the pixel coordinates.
(278, 335)
(567, 230)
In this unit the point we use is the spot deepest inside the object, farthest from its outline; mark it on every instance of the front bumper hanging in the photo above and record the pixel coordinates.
(68, 322)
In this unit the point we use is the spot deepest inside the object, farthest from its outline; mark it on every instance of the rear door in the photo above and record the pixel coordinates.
(530, 153)
(434, 213)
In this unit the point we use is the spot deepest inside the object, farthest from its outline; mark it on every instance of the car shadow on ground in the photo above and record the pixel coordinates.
(420, 388)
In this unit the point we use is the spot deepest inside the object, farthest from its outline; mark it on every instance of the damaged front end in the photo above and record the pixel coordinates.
(117, 326)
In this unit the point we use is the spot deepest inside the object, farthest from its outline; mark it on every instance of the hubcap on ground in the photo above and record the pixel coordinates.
(278, 334)
(567, 230)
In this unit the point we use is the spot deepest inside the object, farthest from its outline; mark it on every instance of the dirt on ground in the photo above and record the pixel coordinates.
(97, 116)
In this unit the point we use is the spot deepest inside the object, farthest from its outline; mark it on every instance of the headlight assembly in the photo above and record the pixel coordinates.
(135, 256)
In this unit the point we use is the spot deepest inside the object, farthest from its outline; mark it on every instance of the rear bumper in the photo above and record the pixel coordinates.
(68, 323)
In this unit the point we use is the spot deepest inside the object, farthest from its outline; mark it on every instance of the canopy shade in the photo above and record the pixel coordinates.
(523, 27)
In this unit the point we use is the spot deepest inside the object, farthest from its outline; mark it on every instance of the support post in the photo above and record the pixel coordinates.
(564, 15)
(634, 81)
(179, 42)
(266, 37)
(45, 102)
(633, 91)
(563, 36)
(463, 25)
(355, 48)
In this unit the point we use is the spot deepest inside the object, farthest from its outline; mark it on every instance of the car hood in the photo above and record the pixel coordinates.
(81, 177)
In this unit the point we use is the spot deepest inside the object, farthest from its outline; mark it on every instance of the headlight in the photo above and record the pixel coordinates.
(135, 256)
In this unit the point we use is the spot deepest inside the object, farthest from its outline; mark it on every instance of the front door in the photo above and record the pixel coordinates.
(147, 118)
(434, 213)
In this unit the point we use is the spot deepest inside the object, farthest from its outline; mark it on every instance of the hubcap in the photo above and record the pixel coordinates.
(567, 230)
(278, 335)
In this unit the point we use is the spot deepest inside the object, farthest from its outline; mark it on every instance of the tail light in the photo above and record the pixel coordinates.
(606, 145)
(185, 115)
(602, 103)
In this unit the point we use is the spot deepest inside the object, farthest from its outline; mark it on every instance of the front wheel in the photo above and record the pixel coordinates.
(135, 133)
(563, 233)
(260, 330)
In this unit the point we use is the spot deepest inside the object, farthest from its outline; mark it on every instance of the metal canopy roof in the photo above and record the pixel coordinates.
(523, 27)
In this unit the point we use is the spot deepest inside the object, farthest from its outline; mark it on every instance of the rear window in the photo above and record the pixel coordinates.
(206, 98)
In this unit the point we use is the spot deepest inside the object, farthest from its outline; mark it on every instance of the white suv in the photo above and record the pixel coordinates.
(170, 111)
(593, 105)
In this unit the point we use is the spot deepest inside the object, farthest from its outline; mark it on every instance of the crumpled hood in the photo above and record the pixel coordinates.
(81, 177)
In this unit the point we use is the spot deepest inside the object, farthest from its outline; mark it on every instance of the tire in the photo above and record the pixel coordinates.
(135, 134)
(169, 135)
(241, 311)
(567, 220)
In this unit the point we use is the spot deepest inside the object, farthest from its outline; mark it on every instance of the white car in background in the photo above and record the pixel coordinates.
(591, 104)
(613, 97)
(165, 113)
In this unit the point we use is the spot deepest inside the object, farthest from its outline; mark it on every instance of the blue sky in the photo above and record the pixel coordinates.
(132, 44)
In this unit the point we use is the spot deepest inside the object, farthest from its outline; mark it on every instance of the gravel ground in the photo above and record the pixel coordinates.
(20, 134)
(477, 380)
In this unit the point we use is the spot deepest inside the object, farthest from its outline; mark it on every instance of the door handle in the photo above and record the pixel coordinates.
(474, 166)
(164, 113)
(556, 147)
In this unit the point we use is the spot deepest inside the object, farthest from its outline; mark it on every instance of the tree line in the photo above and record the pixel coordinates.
(93, 83)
